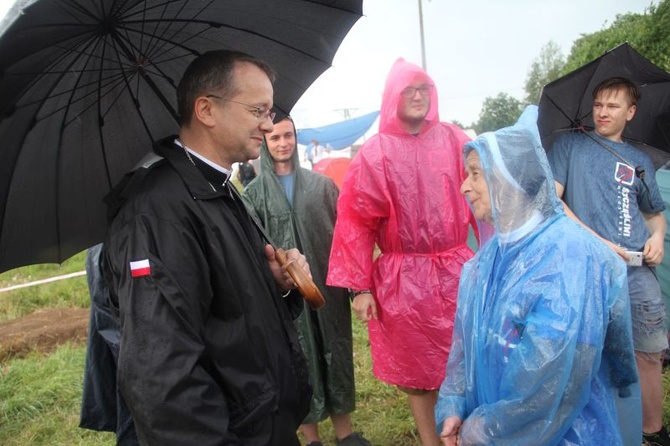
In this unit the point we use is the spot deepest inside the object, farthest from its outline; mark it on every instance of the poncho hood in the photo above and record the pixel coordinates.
(543, 303)
(400, 198)
(521, 186)
(307, 223)
(402, 74)
(267, 163)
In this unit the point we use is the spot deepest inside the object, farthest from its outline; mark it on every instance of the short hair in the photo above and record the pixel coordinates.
(212, 72)
(616, 84)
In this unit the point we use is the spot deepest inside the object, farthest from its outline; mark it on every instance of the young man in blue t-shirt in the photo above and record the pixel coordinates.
(597, 177)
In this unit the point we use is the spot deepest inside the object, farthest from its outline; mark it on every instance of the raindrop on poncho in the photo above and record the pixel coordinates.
(542, 341)
(401, 194)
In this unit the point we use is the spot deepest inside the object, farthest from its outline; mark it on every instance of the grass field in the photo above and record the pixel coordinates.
(40, 394)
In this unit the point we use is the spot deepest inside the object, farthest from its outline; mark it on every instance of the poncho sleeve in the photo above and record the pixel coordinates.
(363, 206)
(451, 397)
(547, 381)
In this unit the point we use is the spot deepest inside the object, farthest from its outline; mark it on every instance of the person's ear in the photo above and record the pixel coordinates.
(203, 111)
(631, 112)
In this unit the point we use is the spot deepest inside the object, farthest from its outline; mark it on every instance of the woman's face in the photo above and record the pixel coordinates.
(475, 188)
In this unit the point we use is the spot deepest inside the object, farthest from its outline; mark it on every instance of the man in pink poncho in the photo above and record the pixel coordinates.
(401, 193)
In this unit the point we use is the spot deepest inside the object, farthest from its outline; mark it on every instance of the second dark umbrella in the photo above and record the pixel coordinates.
(565, 104)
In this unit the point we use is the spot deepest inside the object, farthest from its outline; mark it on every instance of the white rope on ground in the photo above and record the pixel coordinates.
(40, 282)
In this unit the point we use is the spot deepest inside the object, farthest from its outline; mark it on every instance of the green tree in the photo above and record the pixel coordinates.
(458, 123)
(648, 33)
(544, 69)
(498, 112)
(658, 40)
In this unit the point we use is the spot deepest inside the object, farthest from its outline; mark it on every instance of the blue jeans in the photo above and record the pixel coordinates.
(647, 310)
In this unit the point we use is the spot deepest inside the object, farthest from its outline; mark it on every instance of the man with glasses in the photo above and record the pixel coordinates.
(209, 354)
(401, 195)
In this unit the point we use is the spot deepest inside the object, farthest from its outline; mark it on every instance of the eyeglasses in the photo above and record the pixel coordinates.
(260, 113)
(410, 92)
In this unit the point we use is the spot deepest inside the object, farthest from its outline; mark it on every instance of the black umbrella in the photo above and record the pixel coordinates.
(87, 85)
(566, 103)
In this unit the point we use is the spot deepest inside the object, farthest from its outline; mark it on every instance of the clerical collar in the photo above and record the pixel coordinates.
(210, 163)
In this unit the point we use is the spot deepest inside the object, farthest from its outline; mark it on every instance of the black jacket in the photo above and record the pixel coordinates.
(209, 354)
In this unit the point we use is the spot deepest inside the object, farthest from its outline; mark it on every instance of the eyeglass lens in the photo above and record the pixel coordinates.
(410, 92)
(258, 112)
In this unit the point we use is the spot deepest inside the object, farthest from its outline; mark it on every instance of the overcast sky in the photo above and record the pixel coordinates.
(474, 49)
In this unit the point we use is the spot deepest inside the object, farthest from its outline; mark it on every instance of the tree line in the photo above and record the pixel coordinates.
(648, 33)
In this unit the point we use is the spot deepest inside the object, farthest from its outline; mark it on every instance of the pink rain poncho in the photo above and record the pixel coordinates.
(401, 193)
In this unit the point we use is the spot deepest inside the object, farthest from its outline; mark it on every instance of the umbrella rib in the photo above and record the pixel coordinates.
(162, 38)
(331, 6)
(142, 72)
(85, 40)
(574, 123)
(184, 22)
(165, 42)
(101, 138)
(111, 84)
(223, 25)
(64, 92)
(81, 9)
(151, 84)
(26, 134)
(59, 148)
(62, 73)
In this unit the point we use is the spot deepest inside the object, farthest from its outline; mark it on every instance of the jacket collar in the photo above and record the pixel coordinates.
(202, 181)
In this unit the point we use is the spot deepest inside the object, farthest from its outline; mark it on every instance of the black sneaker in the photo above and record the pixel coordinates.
(356, 439)
(660, 438)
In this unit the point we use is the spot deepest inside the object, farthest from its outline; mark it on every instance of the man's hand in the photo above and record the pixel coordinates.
(654, 250)
(449, 434)
(654, 246)
(282, 277)
(365, 307)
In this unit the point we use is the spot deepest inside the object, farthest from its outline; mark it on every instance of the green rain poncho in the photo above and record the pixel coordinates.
(325, 334)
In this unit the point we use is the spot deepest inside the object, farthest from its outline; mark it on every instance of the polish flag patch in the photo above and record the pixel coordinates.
(140, 268)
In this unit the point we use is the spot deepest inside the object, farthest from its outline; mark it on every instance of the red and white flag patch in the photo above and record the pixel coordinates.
(140, 268)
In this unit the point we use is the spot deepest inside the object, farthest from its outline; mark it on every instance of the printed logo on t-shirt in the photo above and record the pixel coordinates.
(624, 174)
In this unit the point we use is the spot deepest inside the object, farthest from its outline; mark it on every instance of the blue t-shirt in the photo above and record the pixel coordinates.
(287, 181)
(602, 189)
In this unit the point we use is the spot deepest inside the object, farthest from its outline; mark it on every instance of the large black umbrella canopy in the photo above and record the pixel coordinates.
(87, 85)
(566, 103)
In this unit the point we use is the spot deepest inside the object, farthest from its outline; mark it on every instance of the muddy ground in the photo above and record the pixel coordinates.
(43, 331)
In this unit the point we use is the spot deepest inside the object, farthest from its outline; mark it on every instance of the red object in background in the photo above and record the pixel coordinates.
(334, 168)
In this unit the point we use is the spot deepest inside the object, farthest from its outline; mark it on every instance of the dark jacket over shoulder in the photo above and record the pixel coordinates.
(209, 354)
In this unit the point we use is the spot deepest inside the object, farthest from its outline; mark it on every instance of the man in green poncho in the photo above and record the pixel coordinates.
(298, 208)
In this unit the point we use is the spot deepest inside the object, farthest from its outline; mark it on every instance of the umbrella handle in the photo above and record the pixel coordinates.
(306, 286)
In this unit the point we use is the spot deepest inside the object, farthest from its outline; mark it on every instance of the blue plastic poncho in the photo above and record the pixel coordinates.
(542, 340)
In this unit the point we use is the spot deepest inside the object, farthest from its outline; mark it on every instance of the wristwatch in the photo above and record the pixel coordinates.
(356, 293)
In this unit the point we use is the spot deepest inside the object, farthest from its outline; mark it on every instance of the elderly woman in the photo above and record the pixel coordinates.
(542, 340)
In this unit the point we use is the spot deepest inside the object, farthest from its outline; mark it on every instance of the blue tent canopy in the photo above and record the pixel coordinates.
(339, 135)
